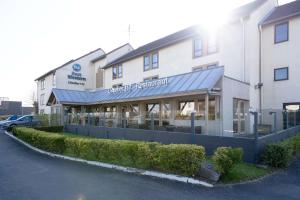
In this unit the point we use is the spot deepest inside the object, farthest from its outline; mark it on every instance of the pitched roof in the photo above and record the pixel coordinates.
(73, 60)
(157, 44)
(197, 81)
(103, 56)
(246, 9)
(181, 35)
(282, 12)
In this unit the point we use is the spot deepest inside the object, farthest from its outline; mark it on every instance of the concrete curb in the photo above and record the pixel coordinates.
(117, 167)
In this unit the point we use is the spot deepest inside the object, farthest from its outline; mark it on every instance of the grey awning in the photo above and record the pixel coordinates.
(198, 81)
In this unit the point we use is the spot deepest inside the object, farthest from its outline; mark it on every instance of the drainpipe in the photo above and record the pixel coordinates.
(244, 48)
(260, 70)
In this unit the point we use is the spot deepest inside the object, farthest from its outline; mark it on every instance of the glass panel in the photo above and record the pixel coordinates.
(146, 62)
(185, 109)
(281, 74)
(152, 108)
(134, 110)
(120, 72)
(212, 45)
(201, 110)
(114, 72)
(154, 60)
(197, 47)
(211, 109)
(166, 111)
(281, 32)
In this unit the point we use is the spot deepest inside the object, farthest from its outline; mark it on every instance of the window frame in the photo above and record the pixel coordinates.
(275, 26)
(202, 49)
(118, 74)
(150, 65)
(151, 78)
(215, 39)
(287, 75)
(117, 85)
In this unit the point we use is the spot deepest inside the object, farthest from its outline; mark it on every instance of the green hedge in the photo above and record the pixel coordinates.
(225, 158)
(49, 142)
(52, 129)
(180, 158)
(174, 158)
(279, 154)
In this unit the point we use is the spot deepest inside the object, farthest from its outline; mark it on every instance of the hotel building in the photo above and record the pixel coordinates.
(249, 64)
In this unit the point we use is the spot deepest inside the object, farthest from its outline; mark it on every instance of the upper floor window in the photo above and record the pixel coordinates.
(151, 78)
(151, 61)
(207, 66)
(42, 84)
(281, 74)
(117, 85)
(117, 72)
(212, 46)
(281, 32)
(198, 47)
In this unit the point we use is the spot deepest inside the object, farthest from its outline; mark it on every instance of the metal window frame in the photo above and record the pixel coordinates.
(194, 40)
(288, 28)
(287, 76)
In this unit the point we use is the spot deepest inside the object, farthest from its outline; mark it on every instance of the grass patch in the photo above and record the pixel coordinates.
(244, 172)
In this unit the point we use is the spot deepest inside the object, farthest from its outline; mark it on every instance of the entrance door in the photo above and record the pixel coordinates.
(240, 108)
(291, 114)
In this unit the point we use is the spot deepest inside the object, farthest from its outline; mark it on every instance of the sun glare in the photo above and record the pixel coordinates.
(214, 14)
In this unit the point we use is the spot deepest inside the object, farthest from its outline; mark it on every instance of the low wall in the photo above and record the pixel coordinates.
(251, 147)
(210, 143)
(276, 137)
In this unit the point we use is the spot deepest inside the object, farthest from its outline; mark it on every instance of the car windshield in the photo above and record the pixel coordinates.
(13, 117)
(24, 118)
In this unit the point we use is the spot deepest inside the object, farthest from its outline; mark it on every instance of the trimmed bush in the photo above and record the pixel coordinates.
(52, 129)
(42, 140)
(225, 158)
(277, 155)
(181, 159)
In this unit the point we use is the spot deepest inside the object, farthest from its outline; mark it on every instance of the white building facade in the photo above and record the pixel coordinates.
(257, 51)
(78, 74)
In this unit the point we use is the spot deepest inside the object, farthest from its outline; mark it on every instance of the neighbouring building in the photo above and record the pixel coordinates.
(14, 108)
(249, 64)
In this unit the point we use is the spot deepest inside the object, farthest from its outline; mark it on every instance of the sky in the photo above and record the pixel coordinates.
(39, 35)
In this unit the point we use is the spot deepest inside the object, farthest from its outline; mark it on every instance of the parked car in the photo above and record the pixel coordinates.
(10, 118)
(26, 120)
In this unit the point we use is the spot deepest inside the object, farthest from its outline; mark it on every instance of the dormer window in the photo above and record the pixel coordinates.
(151, 61)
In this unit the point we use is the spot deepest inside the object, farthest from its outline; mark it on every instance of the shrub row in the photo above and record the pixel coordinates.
(175, 158)
(52, 129)
(225, 158)
(279, 154)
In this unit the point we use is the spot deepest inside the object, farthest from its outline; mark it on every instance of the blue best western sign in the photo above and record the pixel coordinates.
(76, 77)
(76, 67)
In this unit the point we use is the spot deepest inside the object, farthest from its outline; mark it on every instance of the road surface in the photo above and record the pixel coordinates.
(27, 175)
